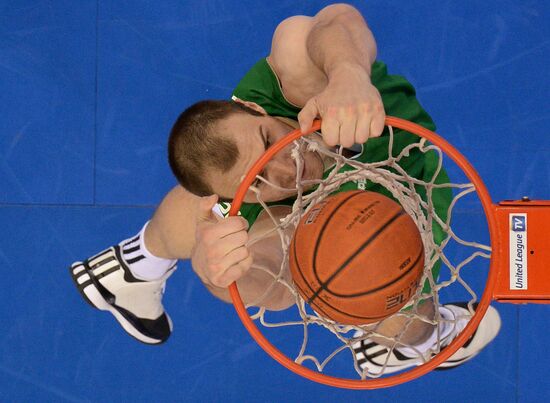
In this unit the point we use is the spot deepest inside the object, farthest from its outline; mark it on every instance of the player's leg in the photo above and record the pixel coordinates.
(406, 330)
(420, 339)
(128, 279)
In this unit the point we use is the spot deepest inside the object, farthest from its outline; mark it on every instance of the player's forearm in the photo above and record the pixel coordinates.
(256, 271)
(259, 287)
(341, 39)
(262, 292)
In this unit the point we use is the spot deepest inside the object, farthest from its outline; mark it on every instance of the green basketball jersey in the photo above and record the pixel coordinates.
(262, 86)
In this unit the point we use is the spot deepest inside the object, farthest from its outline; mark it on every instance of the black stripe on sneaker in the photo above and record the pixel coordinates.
(361, 361)
(79, 274)
(454, 363)
(82, 294)
(85, 284)
(362, 348)
(131, 250)
(469, 341)
(369, 345)
(135, 259)
(128, 276)
(101, 262)
(377, 354)
(107, 272)
(136, 238)
(400, 356)
(358, 349)
(99, 255)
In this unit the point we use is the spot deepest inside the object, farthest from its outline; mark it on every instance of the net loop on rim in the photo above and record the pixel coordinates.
(416, 197)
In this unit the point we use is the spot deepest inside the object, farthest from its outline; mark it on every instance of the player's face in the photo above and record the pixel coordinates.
(253, 135)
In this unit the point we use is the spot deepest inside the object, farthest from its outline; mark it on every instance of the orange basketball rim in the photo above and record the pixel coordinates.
(516, 275)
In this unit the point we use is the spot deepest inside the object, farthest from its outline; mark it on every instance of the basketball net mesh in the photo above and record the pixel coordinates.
(404, 188)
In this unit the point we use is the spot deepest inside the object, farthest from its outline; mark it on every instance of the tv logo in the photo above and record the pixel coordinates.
(518, 252)
(518, 223)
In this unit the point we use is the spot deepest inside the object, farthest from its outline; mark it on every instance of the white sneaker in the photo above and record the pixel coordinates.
(377, 359)
(106, 283)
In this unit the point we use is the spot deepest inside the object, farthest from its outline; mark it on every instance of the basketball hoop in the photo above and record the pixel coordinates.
(504, 222)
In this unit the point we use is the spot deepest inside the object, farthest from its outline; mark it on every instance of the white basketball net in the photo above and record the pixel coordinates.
(346, 340)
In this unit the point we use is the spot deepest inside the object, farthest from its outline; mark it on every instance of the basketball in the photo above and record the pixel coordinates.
(356, 257)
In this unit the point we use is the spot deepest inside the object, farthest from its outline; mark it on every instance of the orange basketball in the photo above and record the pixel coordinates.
(356, 257)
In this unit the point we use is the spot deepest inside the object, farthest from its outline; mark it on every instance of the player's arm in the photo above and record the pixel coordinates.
(222, 256)
(171, 231)
(184, 227)
(324, 65)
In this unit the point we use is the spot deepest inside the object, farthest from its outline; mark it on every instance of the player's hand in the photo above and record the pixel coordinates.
(220, 255)
(350, 107)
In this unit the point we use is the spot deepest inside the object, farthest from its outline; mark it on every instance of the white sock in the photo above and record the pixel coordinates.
(446, 327)
(142, 263)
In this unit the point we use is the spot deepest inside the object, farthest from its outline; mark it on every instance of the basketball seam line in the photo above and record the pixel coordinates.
(320, 236)
(323, 285)
(384, 285)
(299, 270)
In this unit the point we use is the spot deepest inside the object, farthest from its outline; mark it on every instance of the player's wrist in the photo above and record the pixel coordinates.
(348, 71)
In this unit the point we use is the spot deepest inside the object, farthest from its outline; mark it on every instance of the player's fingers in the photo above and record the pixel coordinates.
(377, 124)
(236, 270)
(362, 129)
(330, 127)
(236, 257)
(308, 113)
(230, 225)
(212, 233)
(347, 130)
(231, 242)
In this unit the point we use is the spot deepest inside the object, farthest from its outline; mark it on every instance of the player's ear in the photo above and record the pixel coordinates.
(252, 105)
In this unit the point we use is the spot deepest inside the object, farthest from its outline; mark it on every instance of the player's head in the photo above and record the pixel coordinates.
(213, 144)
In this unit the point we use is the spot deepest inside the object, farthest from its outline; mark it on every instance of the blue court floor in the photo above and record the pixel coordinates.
(88, 92)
